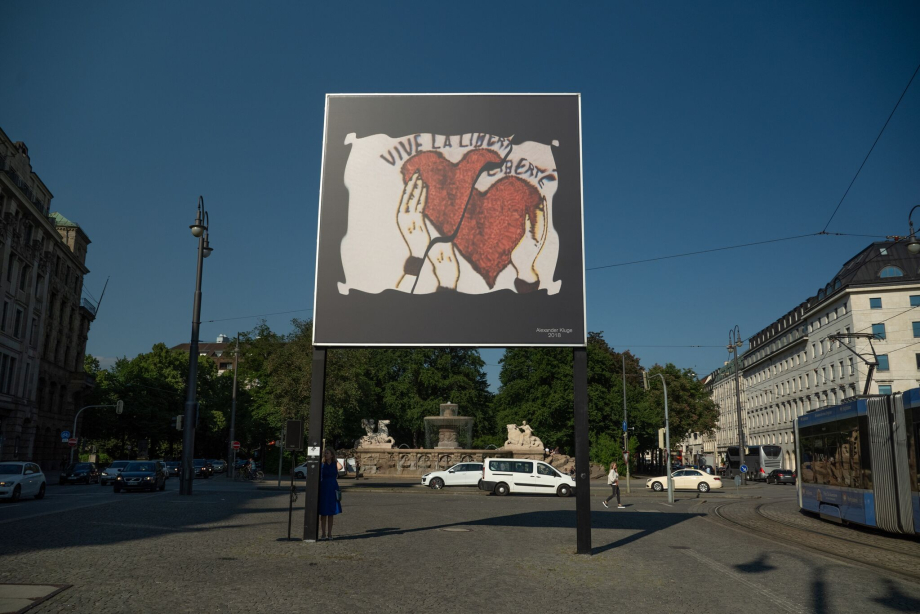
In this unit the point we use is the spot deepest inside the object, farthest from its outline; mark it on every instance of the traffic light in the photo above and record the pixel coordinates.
(177, 422)
(645, 379)
(271, 443)
(172, 421)
(119, 406)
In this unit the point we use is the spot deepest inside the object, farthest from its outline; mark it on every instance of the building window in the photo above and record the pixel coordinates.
(6, 309)
(884, 388)
(916, 326)
(918, 360)
(10, 265)
(891, 271)
(915, 300)
(883, 362)
(878, 330)
(875, 303)
(17, 329)
(33, 332)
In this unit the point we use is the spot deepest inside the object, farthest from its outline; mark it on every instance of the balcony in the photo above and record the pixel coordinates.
(89, 306)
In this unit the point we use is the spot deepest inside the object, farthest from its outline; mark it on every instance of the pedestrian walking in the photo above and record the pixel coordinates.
(330, 496)
(613, 479)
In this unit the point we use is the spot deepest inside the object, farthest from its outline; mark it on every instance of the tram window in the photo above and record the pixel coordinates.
(832, 457)
(865, 454)
(807, 469)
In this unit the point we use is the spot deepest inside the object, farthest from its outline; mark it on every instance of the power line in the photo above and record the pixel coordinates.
(873, 146)
(261, 315)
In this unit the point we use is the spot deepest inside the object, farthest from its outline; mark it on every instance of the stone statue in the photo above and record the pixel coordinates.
(522, 437)
(379, 439)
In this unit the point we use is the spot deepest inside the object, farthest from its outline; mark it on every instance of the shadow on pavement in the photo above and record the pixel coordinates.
(643, 523)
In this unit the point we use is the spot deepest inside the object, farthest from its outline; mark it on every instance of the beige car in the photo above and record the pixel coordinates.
(686, 479)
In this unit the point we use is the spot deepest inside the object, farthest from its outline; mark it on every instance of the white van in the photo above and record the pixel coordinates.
(505, 475)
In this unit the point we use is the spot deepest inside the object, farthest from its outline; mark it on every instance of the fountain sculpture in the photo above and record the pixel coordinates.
(448, 426)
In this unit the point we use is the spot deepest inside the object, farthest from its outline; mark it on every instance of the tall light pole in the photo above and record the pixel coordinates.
(734, 345)
(200, 230)
(625, 430)
(231, 451)
(667, 440)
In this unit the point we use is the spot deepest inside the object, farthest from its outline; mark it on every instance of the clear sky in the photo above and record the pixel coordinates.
(704, 125)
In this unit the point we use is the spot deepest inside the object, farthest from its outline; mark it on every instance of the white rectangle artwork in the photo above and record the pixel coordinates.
(470, 213)
(313, 451)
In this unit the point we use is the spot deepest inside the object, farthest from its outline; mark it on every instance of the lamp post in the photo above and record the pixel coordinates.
(200, 230)
(913, 246)
(231, 451)
(667, 440)
(734, 345)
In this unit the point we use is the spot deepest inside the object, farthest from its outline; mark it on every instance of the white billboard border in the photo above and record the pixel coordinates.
(581, 178)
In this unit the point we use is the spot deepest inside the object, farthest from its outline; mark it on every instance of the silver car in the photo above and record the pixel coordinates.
(111, 472)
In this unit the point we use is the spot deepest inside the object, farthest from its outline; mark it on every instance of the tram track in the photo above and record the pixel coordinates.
(903, 561)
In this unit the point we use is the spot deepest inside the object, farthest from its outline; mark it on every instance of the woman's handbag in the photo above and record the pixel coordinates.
(338, 496)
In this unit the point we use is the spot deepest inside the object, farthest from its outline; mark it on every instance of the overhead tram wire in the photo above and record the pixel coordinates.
(872, 148)
(261, 315)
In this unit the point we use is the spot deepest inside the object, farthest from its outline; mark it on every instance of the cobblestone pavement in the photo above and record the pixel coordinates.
(447, 551)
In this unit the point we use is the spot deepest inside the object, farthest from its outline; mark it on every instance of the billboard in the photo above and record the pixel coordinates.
(451, 220)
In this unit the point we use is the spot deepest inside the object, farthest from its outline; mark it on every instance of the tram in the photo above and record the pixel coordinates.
(858, 462)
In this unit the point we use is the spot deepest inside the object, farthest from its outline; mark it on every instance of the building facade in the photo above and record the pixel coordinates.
(44, 322)
(797, 365)
(219, 352)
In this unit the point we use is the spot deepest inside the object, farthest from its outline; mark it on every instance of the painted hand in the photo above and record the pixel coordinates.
(524, 256)
(446, 267)
(410, 217)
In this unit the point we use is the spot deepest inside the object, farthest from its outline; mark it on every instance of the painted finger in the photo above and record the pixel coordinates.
(423, 199)
(407, 194)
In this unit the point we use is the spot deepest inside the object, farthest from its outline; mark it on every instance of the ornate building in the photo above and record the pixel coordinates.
(44, 323)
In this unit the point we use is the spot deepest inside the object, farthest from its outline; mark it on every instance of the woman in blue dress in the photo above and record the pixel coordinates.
(329, 504)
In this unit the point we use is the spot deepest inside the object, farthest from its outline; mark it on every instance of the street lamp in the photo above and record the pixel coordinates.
(186, 477)
(667, 440)
(913, 246)
(734, 346)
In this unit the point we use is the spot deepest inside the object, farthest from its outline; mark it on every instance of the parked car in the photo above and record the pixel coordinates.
(19, 479)
(219, 465)
(781, 476)
(142, 475)
(686, 479)
(463, 474)
(75, 473)
(200, 468)
(110, 472)
(348, 466)
(501, 476)
(173, 468)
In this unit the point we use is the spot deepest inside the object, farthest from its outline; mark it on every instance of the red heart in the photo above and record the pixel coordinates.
(494, 221)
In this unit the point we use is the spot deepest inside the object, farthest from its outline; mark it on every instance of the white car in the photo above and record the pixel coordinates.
(686, 479)
(463, 474)
(348, 466)
(111, 472)
(501, 476)
(21, 480)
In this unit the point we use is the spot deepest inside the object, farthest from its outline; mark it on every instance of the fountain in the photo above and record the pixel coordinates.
(448, 426)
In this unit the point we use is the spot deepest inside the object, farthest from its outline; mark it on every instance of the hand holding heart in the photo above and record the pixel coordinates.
(446, 267)
(410, 217)
(524, 256)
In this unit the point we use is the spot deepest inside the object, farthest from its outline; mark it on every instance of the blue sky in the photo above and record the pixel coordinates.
(704, 125)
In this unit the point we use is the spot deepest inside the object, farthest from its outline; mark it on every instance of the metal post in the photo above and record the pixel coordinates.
(281, 454)
(186, 477)
(231, 452)
(291, 493)
(582, 470)
(73, 449)
(315, 426)
(667, 441)
(625, 429)
(734, 339)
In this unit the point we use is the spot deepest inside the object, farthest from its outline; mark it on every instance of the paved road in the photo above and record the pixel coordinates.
(417, 549)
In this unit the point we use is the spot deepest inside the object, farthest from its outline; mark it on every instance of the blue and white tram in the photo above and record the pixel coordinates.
(858, 462)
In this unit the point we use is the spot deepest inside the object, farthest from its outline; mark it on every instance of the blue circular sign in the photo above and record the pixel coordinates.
(65, 435)
(743, 468)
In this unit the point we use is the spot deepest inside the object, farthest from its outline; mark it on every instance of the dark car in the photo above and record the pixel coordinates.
(172, 468)
(77, 473)
(781, 476)
(200, 468)
(142, 475)
(218, 465)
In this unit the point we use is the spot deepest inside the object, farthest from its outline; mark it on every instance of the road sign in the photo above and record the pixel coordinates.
(65, 435)
(626, 456)
(72, 441)
(236, 445)
(737, 480)
(624, 426)
(743, 468)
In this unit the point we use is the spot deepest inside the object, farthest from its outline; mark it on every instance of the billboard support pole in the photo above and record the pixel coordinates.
(314, 451)
(582, 469)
